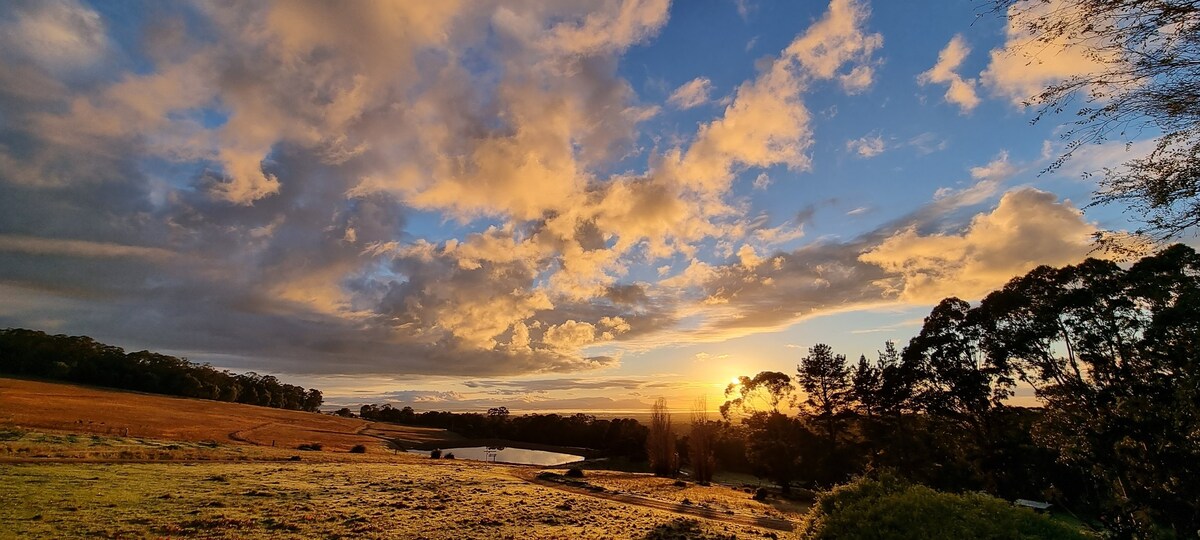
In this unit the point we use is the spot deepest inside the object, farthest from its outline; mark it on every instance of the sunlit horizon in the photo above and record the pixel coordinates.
(565, 206)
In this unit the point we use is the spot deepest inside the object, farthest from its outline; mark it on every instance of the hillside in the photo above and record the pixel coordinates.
(89, 463)
(35, 405)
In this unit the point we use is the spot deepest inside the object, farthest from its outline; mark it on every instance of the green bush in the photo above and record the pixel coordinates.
(891, 508)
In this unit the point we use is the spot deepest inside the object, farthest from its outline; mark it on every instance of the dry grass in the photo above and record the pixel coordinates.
(83, 410)
(68, 470)
(408, 498)
(716, 497)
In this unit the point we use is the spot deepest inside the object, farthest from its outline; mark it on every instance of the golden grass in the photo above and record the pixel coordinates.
(409, 498)
(716, 497)
(78, 409)
(69, 470)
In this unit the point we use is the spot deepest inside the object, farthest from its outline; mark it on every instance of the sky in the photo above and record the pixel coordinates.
(572, 205)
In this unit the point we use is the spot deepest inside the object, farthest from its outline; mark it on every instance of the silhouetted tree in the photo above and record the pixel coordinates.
(774, 446)
(701, 440)
(81, 359)
(1115, 356)
(660, 443)
(765, 391)
(825, 379)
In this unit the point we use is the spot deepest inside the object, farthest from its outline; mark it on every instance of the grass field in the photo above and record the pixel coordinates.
(408, 498)
(79, 462)
(82, 410)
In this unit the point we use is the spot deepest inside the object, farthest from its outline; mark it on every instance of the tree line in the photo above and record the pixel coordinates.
(81, 359)
(624, 437)
(1111, 353)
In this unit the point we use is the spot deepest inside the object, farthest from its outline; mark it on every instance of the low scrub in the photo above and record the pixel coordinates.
(891, 508)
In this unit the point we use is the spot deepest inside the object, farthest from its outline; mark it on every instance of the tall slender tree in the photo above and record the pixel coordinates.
(701, 442)
(660, 443)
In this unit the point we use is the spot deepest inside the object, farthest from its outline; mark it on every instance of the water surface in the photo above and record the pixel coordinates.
(518, 456)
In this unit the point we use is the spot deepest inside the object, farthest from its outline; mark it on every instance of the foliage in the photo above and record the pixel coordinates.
(701, 441)
(829, 398)
(774, 445)
(358, 449)
(660, 442)
(825, 379)
(1115, 356)
(81, 359)
(617, 437)
(893, 509)
(765, 391)
(1147, 80)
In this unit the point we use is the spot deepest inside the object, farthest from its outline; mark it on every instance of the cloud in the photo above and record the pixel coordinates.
(767, 124)
(918, 259)
(61, 36)
(78, 248)
(174, 207)
(1025, 64)
(836, 40)
(691, 94)
(928, 143)
(867, 146)
(613, 27)
(961, 91)
(988, 179)
(551, 385)
(1028, 228)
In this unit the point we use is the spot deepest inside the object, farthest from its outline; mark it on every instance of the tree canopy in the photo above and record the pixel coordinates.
(84, 360)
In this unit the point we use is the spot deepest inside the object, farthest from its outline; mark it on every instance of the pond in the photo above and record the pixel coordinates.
(519, 456)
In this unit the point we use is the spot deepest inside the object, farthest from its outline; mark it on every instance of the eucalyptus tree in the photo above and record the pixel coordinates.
(1114, 355)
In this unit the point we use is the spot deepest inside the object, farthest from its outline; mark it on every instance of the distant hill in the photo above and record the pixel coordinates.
(81, 359)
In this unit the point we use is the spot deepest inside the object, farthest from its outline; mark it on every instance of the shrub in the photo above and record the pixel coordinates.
(358, 449)
(436, 453)
(310, 446)
(575, 472)
(11, 434)
(449, 455)
(891, 508)
(760, 494)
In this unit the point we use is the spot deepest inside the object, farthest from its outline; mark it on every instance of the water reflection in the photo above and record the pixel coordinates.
(501, 454)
